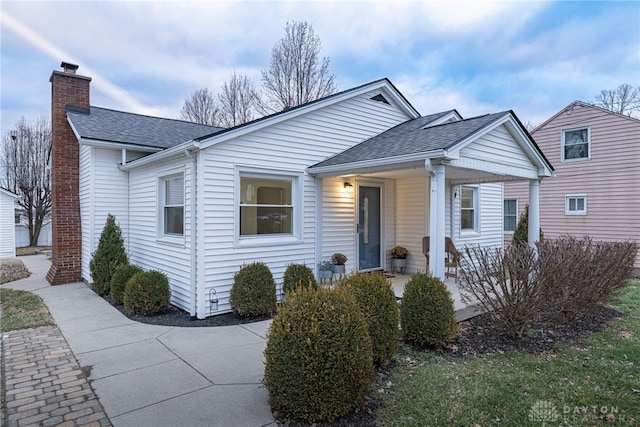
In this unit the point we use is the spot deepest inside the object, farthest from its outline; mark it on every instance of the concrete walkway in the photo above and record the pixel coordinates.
(147, 375)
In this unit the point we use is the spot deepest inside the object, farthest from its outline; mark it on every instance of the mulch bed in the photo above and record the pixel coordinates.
(477, 336)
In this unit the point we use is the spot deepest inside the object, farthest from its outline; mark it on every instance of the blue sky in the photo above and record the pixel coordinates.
(478, 57)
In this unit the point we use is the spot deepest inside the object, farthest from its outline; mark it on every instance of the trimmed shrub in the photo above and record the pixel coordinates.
(109, 255)
(147, 293)
(298, 275)
(427, 314)
(521, 233)
(377, 302)
(120, 279)
(319, 360)
(254, 291)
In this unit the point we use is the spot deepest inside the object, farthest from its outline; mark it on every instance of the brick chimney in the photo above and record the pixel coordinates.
(67, 88)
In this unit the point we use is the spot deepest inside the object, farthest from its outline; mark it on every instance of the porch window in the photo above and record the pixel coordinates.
(575, 205)
(469, 209)
(510, 212)
(171, 192)
(576, 144)
(266, 204)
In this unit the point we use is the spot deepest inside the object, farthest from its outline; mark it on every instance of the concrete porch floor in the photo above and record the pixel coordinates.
(463, 311)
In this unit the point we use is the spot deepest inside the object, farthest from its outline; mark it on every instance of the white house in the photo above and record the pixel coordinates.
(357, 172)
(7, 224)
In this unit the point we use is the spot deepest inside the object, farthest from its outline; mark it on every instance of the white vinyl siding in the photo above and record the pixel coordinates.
(498, 147)
(7, 225)
(412, 211)
(489, 218)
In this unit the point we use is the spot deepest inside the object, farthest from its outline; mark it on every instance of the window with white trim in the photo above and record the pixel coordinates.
(575, 205)
(510, 213)
(469, 209)
(171, 196)
(576, 144)
(267, 204)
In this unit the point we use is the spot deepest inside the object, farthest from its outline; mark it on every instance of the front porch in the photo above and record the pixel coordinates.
(463, 311)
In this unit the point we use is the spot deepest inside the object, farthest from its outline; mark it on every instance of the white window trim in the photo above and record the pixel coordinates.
(476, 211)
(297, 184)
(161, 178)
(575, 196)
(503, 215)
(562, 133)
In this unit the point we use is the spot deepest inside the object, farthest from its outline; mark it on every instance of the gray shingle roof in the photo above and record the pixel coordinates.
(117, 126)
(411, 137)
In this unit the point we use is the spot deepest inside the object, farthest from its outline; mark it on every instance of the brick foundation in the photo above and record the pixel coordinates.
(67, 89)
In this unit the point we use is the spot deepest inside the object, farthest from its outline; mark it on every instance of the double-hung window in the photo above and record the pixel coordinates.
(171, 196)
(267, 205)
(576, 144)
(575, 205)
(510, 213)
(469, 209)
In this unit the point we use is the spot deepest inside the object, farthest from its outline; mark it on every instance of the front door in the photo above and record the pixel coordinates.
(369, 227)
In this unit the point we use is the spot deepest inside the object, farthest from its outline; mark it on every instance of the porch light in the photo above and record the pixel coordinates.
(348, 187)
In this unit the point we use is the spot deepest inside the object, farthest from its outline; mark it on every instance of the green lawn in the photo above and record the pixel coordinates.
(593, 383)
(21, 310)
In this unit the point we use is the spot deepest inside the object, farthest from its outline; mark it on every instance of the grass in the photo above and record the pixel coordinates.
(21, 310)
(31, 250)
(595, 382)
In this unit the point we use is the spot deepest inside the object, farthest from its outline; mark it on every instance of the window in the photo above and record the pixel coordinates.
(575, 205)
(172, 205)
(266, 205)
(469, 209)
(575, 144)
(510, 213)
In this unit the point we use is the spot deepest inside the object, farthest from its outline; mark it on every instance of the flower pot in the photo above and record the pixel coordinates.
(399, 265)
(325, 274)
(339, 269)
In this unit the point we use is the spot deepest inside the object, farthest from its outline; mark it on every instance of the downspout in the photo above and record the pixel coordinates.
(194, 234)
(123, 162)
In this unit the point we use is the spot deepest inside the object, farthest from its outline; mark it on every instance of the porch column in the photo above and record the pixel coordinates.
(436, 221)
(534, 212)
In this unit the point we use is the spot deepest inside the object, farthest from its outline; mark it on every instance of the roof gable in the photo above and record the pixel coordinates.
(8, 193)
(111, 126)
(579, 104)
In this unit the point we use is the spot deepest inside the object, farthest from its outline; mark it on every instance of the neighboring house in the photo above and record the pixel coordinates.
(357, 172)
(595, 191)
(7, 224)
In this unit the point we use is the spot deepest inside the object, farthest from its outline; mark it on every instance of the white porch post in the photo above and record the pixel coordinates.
(436, 221)
(534, 212)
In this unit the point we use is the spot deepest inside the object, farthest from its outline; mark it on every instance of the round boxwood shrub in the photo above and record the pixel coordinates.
(254, 291)
(377, 302)
(427, 314)
(147, 293)
(319, 360)
(298, 275)
(120, 279)
(109, 255)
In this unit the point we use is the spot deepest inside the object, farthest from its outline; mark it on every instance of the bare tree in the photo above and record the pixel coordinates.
(296, 73)
(238, 101)
(201, 107)
(625, 99)
(26, 170)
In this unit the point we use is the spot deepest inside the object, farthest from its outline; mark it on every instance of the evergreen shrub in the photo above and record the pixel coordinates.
(253, 292)
(120, 279)
(147, 293)
(298, 275)
(109, 255)
(427, 314)
(377, 302)
(319, 360)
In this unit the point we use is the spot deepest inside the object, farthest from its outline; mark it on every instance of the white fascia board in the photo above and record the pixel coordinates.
(280, 117)
(386, 163)
(161, 155)
(117, 145)
(9, 193)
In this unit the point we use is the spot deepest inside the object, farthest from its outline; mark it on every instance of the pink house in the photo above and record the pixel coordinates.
(596, 154)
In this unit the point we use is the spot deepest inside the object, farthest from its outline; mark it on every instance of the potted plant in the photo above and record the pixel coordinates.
(399, 259)
(338, 261)
(325, 270)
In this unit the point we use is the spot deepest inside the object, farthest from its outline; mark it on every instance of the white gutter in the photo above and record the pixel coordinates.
(115, 145)
(386, 161)
(194, 234)
(161, 155)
